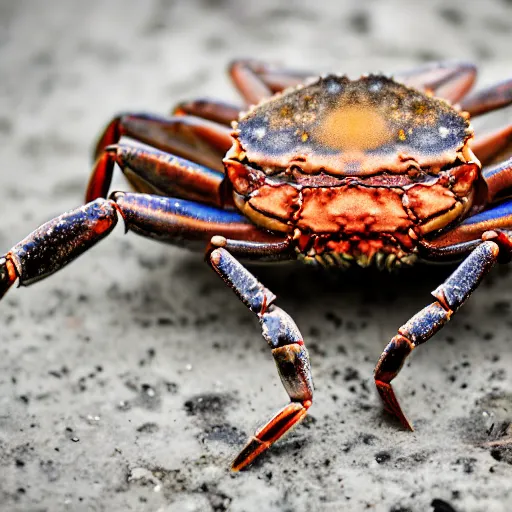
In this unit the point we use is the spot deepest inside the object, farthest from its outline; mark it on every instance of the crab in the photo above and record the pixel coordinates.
(330, 171)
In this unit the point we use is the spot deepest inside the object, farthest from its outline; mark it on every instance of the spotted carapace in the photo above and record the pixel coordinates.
(328, 170)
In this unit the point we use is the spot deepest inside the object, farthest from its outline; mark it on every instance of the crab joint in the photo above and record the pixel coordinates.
(274, 429)
(8, 274)
(393, 358)
(277, 327)
(390, 363)
(292, 363)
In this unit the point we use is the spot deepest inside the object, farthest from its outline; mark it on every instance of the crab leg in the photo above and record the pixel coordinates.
(258, 80)
(276, 79)
(449, 80)
(494, 146)
(186, 223)
(210, 109)
(255, 80)
(498, 179)
(288, 349)
(492, 98)
(56, 243)
(459, 241)
(61, 240)
(152, 170)
(263, 249)
(199, 140)
(422, 326)
(244, 74)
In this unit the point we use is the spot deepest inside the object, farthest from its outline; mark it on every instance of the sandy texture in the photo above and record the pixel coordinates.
(130, 379)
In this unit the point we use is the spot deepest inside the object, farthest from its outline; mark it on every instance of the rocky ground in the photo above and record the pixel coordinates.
(130, 379)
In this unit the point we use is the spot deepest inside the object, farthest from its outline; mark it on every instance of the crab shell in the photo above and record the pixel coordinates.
(353, 168)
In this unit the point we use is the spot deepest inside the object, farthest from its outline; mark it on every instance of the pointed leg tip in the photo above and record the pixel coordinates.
(405, 422)
(239, 465)
(391, 404)
(249, 452)
(400, 416)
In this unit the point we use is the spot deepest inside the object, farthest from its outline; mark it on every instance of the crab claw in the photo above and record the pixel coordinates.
(273, 430)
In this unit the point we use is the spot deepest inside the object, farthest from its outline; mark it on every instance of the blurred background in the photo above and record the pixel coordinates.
(130, 379)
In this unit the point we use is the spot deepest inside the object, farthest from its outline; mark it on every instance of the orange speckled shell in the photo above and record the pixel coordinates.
(353, 167)
(358, 127)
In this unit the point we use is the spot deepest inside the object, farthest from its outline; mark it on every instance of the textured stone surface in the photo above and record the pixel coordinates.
(130, 379)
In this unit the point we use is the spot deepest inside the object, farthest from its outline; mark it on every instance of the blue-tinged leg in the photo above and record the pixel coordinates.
(459, 241)
(56, 243)
(61, 240)
(286, 343)
(450, 296)
(154, 171)
(193, 225)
